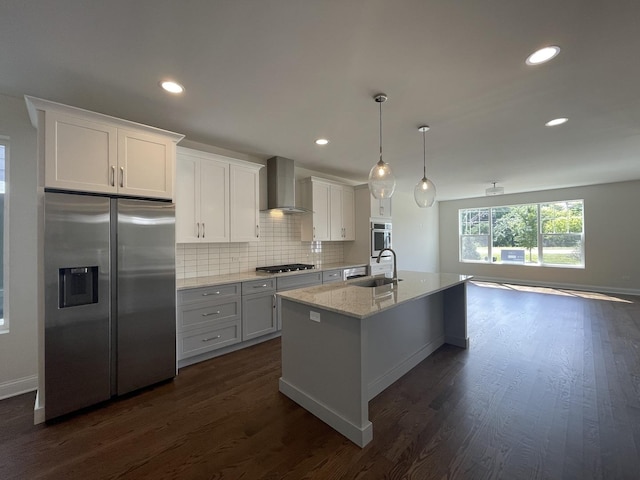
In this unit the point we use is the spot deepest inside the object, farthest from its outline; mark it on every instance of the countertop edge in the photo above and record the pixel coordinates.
(225, 279)
(293, 296)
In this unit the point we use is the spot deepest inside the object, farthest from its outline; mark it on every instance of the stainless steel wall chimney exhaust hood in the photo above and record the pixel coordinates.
(281, 186)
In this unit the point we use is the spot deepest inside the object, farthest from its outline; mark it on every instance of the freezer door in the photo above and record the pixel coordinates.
(146, 326)
(77, 302)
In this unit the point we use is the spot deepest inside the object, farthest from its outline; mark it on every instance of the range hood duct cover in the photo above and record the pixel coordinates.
(281, 186)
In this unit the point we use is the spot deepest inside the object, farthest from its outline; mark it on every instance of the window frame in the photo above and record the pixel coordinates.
(5, 323)
(462, 235)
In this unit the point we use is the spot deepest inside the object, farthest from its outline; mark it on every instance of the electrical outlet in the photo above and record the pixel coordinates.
(315, 316)
(235, 259)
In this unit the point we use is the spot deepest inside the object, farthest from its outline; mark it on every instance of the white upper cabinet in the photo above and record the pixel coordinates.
(380, 208)
(146, 164)
(202, 199)
(91, 152)
(245, 203)
(333, 209)
(216, 198)
(342, 212)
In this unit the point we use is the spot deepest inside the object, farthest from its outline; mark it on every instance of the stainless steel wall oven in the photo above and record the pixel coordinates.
(380, 237)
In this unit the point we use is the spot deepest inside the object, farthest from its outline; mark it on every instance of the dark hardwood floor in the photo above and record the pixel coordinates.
(549, 389)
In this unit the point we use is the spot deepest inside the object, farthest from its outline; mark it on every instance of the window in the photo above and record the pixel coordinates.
(550, 234)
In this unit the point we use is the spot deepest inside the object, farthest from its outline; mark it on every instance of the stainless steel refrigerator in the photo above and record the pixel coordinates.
(109, 298)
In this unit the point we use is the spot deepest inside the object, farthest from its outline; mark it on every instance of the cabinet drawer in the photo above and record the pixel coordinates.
(200, 315)
(204, 294)
(258, 286)
(299, 281)
(331, 276)
(205, 340)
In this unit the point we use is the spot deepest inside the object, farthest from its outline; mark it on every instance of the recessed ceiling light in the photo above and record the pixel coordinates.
(556, 121)
(171, 86)
(543, 55)
(322, 141)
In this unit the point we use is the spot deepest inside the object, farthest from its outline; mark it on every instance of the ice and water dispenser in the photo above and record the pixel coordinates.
(78, 286)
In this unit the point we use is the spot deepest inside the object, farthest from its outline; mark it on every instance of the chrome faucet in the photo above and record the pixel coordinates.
(395, 265)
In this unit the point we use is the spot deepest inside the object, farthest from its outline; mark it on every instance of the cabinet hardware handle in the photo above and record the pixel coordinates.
(122, 177)
(257, 231)
(198, 229)
(113, 175)
(212, 338)
(211, 313)
(314, 232)
(207, 294)
(260, 286)
(382, 210)
(202, 229)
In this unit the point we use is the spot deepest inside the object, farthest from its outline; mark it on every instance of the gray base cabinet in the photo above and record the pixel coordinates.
(258, 308)
(209, 318)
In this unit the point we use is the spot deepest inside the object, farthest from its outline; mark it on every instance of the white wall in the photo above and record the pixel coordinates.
(612, 233)
(415, 234)
(18, 348)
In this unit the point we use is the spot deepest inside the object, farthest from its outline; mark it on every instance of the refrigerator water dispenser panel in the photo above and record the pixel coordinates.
(78, 286)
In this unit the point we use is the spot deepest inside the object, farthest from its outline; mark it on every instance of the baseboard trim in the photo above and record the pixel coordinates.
(18, 386)
(360, 435)
(562, 286)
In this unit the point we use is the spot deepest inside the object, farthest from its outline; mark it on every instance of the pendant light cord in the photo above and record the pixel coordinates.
(380, 103)
(424, 154)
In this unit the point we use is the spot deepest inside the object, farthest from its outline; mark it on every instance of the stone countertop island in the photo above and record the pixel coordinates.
(343, 344)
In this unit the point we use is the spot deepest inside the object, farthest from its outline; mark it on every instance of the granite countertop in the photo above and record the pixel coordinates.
(196, 282)
(360, 302)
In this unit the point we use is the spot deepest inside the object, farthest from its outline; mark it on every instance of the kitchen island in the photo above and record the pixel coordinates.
(343, 344)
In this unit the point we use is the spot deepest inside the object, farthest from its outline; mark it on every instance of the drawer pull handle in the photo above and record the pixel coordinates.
(211, 313)
(207, 294)
(212, 338)
(260, 286)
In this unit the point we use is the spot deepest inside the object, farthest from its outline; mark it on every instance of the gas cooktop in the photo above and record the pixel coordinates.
(292, 267)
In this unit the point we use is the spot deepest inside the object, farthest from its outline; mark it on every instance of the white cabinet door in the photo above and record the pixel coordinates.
(244, 204)
(342, 213)
(380, 208)
(214, 201)
(202, 200)
(80, 154)
(145, 164)
(336, 230)
(187, 199)
(349, 213)
(321, 201)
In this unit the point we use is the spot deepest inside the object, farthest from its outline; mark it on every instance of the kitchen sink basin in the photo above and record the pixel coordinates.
(374, 282)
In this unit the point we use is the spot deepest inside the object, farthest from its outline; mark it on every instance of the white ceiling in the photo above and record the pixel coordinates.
(268, 77)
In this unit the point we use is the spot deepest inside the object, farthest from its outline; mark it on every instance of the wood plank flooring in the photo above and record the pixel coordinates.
(549, 389)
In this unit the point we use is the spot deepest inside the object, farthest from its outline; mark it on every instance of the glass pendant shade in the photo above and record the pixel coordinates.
(382, 181)
(424, 193)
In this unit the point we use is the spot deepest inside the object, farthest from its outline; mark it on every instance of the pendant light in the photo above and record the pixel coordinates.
(494, 190)
(425, 191)
(382, 181)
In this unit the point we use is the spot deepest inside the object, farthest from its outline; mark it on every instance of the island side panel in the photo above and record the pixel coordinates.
(455, 314)
(400, 338)
(322, 368)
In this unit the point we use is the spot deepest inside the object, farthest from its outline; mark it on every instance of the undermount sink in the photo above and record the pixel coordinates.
(374, 282)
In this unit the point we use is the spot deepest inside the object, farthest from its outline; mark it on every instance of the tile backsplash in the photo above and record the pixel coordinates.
(279, 244)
